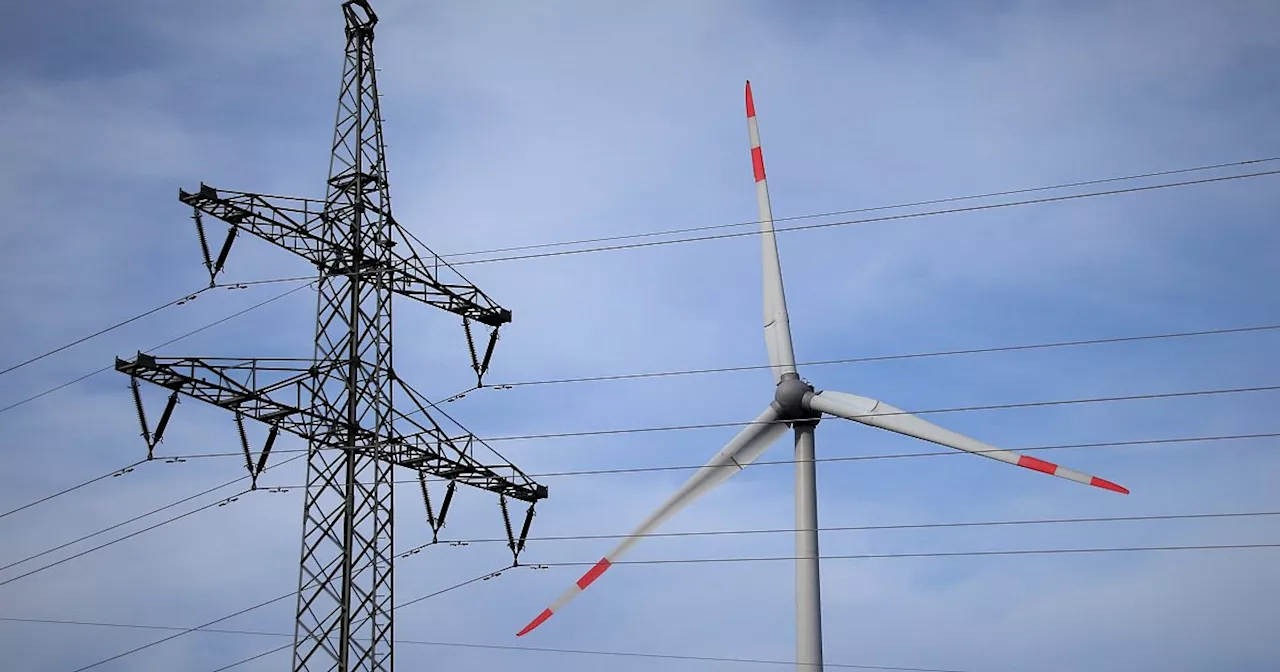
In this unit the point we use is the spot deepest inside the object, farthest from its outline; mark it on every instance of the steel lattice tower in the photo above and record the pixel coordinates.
(341, 400)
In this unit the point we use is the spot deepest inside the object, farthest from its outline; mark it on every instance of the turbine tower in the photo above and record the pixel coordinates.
(797, 405)
(341, 399)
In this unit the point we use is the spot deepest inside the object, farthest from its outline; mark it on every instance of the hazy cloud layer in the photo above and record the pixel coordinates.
(521, 123)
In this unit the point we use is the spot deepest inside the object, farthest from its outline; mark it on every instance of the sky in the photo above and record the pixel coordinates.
(513, 124)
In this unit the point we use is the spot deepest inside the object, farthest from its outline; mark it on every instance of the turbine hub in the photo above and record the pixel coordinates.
(789, 398)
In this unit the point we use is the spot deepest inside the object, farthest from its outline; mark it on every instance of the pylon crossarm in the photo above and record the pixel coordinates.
(448, 458)
(274, 391)
(296, 225)
(279, 392)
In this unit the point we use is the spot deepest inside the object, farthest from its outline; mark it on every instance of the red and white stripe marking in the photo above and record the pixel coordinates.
(757, 156)
(581, 585)
(879, 414)
(1028, 462)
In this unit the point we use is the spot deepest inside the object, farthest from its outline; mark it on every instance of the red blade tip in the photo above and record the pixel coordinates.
(1108, 485)
(546, 613)
(751, 104)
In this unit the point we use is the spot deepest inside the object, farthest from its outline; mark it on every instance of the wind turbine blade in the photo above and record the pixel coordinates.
(777, 324)
(741, 451)
(884, 416)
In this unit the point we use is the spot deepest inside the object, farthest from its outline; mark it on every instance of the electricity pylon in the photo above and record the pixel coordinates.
(341, 400)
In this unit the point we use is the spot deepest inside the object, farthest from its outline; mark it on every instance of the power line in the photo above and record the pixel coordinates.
(954, 409)
(167, 343)
(187, 631)
(490, 575)
(694, 239)
(117, 525)
(1135, 442)
(885, 358)
(884, 218)
(185, 298)
(132, 534)
(118, 540)
(125, 469)
(1008, 552)
(297, 456)
(188, 297)
(927, 554)
(850, 360)
(877, 528)
(936, 201)
(849, 458)
(250, 659)
(938, 453)
(264, 654)
(673, 656)
(932, 411)
(182, 299)
(184, 632)
(135, 518)
(469, 645)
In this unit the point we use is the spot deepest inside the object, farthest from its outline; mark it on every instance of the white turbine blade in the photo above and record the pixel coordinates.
(777, 324)
(741, 451)
(884, 416)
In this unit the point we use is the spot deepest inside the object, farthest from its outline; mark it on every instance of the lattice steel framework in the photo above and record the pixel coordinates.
(341, 400)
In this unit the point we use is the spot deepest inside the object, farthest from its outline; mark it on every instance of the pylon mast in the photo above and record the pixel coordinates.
(349, 494)
(342, 400)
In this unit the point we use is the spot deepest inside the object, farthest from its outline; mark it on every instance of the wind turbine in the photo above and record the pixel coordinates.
(797, 405)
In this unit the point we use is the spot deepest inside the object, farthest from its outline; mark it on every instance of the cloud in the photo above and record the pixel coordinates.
(511, 125)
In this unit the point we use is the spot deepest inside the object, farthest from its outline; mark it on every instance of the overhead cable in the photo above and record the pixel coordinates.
(187, 631)
(837, 213)
(184, 632)
(185, 298)
(120, 524)
(846, 458)
(166, 343)
(886, 358)
(937, 453)
(120, 539)
(180, 300)
(192, 295)
(221, 502)
(929, 554)
(115, 472)
(867, 220)
(468, 645)
(953, 409)
(883, 527)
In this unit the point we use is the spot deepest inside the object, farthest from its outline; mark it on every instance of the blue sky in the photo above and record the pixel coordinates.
(510, 124)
